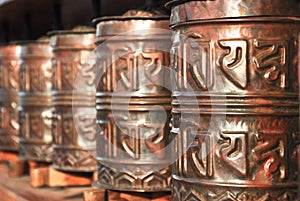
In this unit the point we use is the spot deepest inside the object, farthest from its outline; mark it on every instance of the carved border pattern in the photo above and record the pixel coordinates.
(38, 152)
(73, 160)
(187, 192)
(144, 180)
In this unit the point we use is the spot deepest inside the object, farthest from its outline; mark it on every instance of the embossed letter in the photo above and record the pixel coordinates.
(272, 56)
(234, 62)
(233, 150)
(199, 62)
(271, 151)
(201, 152)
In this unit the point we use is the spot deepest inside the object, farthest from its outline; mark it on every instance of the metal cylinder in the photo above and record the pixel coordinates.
(240, 60)
(9, 86)
(35, 116)
(129, 62)
(73, 54)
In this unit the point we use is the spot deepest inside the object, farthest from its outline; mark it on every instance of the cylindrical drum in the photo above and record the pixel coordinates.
(130, 100)
(73, 55)
(9, 86)
(35, 100)
(238, 59)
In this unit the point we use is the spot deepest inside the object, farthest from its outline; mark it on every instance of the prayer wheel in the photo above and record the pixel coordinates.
(35, 116)
(9, 86)
(132, 65)
(240, 59)
(73, 55)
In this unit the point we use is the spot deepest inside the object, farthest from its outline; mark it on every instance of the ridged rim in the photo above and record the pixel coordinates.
(198, 10)
(128, 18)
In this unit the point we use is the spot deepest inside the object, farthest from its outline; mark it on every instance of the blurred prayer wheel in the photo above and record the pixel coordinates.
(133, 63)
(240, 60)
(9, 86)
(35, 100)
(73, 54)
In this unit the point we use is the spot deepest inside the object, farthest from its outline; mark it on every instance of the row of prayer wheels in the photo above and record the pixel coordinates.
(37, 79)
(209, 110)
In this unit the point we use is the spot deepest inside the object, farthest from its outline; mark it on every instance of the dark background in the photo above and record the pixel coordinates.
(31, 19)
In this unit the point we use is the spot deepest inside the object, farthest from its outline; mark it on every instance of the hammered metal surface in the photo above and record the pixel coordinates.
(122, 161)
(9, 86)
(35, 73)
(72, 55)
(244, 73)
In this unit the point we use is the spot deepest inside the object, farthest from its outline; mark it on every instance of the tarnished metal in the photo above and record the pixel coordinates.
(9, 86)
(73, 54)
(240, 58)
(129, 64)
(35, 114)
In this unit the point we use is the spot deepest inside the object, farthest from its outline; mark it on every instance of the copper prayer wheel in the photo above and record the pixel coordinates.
(9, 86)
(35, 116)
(131, 148)
(73, 54)
(240, 60)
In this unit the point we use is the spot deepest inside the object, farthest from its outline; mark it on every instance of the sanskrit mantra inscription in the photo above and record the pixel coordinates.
(134, 71)
(204, 58)
(35, 77)
(245, 151)
(65, 73)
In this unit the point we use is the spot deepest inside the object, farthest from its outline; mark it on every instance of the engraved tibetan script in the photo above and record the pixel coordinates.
(24, 78)
(131, 142)
(200, 63)
(68, 129)
(104, 82)
(36, 123)
(4, 117)
(137, 69)
(87, 71)
(63, 129)
(231, 56)
(201, 152)
(233, 150)
(234, 62)
(2, 76)
(36, 79)
(272, 59)
(64, 74)
(271, 152)
(135, 138)
(13, 75)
